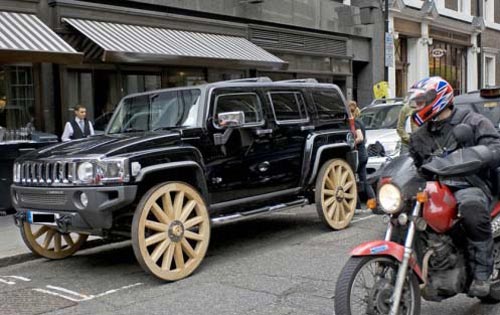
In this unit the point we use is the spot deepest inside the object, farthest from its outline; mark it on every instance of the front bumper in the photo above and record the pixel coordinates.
(97, 215)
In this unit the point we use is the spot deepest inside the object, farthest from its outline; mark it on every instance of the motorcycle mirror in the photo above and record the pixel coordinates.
(464, 135)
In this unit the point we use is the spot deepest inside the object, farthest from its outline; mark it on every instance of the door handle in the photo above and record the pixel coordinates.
(304, 128)
(260, 132)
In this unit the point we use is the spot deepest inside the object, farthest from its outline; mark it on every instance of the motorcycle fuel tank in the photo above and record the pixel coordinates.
(440, 211)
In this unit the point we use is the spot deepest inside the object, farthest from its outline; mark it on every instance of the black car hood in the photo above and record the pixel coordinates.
(106, 145)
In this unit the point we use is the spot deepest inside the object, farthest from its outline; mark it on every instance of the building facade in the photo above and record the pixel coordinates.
(449, 38)
(134, 46)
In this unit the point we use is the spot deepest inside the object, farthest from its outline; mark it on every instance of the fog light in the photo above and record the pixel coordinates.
(84, 199)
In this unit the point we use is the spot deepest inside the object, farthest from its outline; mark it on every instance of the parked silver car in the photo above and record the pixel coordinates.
(380, 119)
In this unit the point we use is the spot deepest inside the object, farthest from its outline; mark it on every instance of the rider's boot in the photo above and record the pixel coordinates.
(481, 256)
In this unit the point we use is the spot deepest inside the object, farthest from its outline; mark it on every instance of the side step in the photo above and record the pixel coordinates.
(256, 212)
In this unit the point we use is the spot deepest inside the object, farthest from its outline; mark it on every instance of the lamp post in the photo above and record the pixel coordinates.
(386, 31)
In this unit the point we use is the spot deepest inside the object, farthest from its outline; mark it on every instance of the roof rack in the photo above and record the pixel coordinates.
(257, 79)
(308, 80)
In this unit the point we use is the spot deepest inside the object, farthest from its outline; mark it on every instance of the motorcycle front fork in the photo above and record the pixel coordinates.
(403, 267)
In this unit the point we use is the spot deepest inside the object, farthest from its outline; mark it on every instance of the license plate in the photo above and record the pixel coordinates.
(45, 218)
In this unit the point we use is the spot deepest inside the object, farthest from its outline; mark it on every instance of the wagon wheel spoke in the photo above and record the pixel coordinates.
(156, 226)
(167, 257)
(160, 213)
(178, 202)
(156, 238)
(41, 231)
(186, 211)
(193, 222)
(160, 250)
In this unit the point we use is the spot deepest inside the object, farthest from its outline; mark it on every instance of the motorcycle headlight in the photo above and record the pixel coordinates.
(390, 198)
(85, 172)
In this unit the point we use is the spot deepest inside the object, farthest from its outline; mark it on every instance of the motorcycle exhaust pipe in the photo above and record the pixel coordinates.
(425, 268)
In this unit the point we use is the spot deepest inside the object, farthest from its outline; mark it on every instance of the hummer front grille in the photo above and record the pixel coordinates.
(43, 173)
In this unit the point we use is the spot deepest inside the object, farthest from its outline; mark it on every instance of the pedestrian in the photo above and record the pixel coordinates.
(365, 188)
(402, 127)
(353, 107)
(436, 117)
(79, 127)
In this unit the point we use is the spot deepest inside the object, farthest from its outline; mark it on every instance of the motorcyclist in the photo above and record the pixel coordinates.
(436, 116)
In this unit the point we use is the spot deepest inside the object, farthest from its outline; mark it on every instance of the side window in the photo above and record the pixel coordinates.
(329, 104)
(288, 107)
(248, 103)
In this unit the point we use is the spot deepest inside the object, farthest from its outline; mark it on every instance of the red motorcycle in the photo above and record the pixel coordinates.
(424, 250)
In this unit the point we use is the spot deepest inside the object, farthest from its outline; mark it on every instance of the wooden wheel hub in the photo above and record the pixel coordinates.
(176, 231)
(339, 194)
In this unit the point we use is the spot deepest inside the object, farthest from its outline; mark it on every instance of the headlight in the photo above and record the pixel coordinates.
(85, 172)
(389, 197)
(113, 171)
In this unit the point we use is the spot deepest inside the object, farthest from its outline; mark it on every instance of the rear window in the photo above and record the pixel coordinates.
(288, 107)
(329, 104)
(490, 108)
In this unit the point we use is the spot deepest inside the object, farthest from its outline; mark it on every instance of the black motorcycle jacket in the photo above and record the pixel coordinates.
(435, 139)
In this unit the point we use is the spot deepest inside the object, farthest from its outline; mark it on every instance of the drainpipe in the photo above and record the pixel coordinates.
(480, 12)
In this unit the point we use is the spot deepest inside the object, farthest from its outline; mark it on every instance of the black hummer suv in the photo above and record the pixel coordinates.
(174, 162)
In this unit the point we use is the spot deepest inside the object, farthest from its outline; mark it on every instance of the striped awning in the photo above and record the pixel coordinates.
(25, 38)
(143, 44)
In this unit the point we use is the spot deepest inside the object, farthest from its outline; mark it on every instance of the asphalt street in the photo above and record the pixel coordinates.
(283, 263)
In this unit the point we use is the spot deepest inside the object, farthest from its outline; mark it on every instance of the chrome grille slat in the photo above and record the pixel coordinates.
(46, 173)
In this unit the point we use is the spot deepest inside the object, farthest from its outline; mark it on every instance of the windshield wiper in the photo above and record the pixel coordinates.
(132, 130)
(165, 128)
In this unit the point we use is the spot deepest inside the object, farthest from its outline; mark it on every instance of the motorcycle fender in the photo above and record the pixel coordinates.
(386, 248)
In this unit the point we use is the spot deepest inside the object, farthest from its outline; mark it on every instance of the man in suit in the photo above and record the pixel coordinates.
(79, 127)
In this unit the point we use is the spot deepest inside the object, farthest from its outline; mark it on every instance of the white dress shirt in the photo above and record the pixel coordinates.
(68, 129)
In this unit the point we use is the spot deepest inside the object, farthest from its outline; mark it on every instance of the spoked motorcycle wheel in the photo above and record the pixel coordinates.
(366, 285)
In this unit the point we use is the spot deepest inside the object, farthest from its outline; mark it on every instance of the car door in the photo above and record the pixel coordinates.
(236, 159)
(292, 125)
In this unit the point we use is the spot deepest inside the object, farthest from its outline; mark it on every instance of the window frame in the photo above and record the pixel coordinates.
(260, 110)
(290, 121)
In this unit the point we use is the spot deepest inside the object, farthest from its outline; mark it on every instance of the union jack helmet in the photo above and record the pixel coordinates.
(429, 97)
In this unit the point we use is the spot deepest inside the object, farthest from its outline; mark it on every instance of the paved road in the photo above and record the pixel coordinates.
(284, 263)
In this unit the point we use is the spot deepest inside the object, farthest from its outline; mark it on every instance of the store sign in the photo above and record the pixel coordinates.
(389, 50)
(438, 53)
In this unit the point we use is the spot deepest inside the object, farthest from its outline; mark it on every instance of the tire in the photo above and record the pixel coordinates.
(171, 222)
(375, 301)
(336, 194)
(55, 245)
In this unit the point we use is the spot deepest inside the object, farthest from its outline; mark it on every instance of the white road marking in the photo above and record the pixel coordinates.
(82, 296)
(77, 297)
(57, 294)
(13, 277)
(19, 278)
(364, 218)
(7, 281)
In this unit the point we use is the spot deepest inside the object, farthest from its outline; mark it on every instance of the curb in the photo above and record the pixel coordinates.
(21, 258)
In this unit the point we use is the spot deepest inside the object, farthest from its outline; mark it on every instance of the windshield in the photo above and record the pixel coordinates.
(157, 111)
(380, 117)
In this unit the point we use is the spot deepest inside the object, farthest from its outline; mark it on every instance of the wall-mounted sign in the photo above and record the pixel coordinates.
(438, 53)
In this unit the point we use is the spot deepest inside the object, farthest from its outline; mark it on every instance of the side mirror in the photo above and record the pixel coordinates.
(231, 119)
(464, 135)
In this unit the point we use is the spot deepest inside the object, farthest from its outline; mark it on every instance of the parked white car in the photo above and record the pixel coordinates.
(380, 119)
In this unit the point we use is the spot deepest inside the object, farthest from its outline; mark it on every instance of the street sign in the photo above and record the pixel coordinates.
(389, 50)
(381, 89)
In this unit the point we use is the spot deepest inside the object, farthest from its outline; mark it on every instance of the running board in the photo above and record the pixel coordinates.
(256, 212)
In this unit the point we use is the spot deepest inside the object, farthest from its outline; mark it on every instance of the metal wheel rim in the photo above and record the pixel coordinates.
(339, 194)
(175, 233)
(360, 303)
(48, 242)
